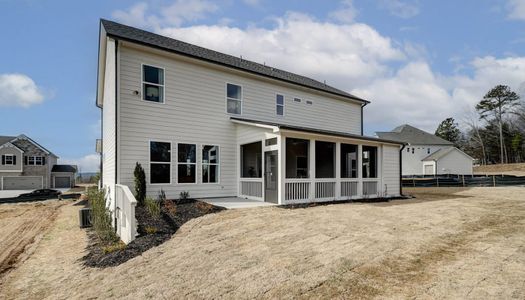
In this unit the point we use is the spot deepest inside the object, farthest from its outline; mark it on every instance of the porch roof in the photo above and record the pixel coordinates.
(281, 126)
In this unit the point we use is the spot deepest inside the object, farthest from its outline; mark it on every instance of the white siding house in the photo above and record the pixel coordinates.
(215, 125)
(427, 154)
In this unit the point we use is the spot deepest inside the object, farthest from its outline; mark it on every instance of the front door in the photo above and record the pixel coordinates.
(270, 176)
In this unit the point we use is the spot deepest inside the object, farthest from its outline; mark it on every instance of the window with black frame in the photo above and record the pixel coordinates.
(369, 162)
(186, 163)
(160, 162)
(348, 161)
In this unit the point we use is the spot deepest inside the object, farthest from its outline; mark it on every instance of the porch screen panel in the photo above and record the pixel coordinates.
(297, 158)
(324, 159)
(369, 162)
(348, 161)
(251, 160)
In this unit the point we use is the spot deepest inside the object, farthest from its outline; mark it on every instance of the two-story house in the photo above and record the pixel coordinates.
(216, 125)
(427, 154)
(26, 165)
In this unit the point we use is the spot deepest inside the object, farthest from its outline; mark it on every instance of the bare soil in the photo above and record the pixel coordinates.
(446, 243)
(507, 169)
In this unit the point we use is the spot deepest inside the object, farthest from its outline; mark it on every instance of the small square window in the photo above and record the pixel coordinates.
(309, 102)
(152, 84)
(297, 100)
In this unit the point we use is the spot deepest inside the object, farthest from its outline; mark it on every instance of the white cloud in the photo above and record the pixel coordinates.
(19, 90)
(516, 9)
(346, 14)
(176, 14)
(88, 163)
(401, 8)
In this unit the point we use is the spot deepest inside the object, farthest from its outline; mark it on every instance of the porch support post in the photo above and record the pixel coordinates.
(381, 187)
(281, 170)
(312, 169)
(337, 170)
(359, 171)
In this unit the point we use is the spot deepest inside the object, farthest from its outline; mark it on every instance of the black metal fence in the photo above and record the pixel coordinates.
(463, 180)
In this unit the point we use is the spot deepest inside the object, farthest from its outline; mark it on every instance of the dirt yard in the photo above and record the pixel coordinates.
(507, 169)
(447, 243)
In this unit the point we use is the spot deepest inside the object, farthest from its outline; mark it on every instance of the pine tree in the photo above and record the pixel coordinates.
(448, 130)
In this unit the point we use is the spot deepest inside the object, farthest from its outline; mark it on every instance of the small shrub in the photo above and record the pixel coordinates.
(100, 215)
(150, 229)
(113, 247)
(162, 196)
(184, 195)
(140, 184)
(203, 206)
(153, 207)
(170, 207)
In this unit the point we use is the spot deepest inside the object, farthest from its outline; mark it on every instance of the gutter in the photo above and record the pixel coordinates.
(362, 106)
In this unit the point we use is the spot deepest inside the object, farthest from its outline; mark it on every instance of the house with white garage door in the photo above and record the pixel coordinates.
(26, 165)
(216, 125)
(427, 154)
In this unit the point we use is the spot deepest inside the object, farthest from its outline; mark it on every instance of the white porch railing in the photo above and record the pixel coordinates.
(370, 187)
(125, 213)
(251, 187)
(324, 188)
(297, 189)
(348, 188)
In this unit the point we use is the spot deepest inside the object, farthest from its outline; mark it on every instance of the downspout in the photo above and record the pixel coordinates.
(401, 170)
(362, 106)
(116, 132)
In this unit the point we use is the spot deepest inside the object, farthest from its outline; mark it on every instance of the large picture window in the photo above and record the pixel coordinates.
(234, 98)
(369, 162)
(187, 161)
(297, 158)
(160, 162)
(251, 160)
(348, 161)
(152, 84)
(210, 164)
(324, 159)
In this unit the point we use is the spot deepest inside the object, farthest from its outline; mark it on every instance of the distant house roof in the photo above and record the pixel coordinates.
(316, 131)
(64, 168)
(443, 152)
(5, 139)
(139, 36)
(413, 136)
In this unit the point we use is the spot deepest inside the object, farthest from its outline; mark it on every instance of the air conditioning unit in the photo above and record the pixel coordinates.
(84, 216)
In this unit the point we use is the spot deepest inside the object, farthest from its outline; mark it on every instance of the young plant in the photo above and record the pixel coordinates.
(153, 207)
(100, 215)
(140, 183)
(184, 195)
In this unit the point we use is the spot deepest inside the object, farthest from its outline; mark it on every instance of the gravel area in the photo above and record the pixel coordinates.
(447, 243)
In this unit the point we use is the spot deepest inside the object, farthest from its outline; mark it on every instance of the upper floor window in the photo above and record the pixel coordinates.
(8, 160)
(234, 98)
(279, 105)
(35, 160)
(160, 162)
(152, 84)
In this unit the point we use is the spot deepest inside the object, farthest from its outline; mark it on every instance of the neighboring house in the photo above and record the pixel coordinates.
(216, 125)
(427, 154)
(27, 165)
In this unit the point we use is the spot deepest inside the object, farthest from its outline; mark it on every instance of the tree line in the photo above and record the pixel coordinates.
(494, 131)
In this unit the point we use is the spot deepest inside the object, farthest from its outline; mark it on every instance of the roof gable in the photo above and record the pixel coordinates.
(143, 37)
(413, 136)
(444, 152)
(6, 139)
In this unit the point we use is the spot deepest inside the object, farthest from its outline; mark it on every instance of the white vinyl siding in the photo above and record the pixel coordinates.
(198, 116)
(108, 119)
(391, 170)
(454, 162)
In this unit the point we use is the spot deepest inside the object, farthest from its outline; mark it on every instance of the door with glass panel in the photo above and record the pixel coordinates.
(270, 176)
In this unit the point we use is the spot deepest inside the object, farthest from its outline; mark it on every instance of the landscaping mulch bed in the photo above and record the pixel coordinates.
(152, 232)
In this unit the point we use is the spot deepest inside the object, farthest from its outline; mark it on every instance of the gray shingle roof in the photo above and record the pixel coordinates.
(64, 168)
(136, 35)
(5, 139)
(413, 136)
(315, 130)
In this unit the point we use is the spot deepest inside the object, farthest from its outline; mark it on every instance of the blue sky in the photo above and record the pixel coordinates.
(422, 61)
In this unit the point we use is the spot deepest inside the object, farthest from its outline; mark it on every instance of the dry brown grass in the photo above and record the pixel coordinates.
(445, 243)
(508, 169)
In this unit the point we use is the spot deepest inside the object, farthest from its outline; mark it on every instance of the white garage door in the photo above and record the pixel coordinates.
(429, 170)
(22, 183)
(62, 182)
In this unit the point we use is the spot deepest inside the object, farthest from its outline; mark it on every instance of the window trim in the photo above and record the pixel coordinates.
(201, 146)
(12, 159)
(34, 157)
(158, 162)
(142, 84)
(277, 105)
(227, 98)
(376, 163)
(197, 157)
(241, 163)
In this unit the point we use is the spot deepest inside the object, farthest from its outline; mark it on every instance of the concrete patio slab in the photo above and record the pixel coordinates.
(235, 202)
